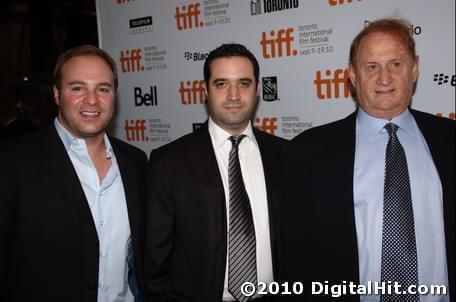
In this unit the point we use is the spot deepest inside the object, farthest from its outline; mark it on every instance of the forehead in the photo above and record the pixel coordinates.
(379, 43)
(89, 67)
(231, 66)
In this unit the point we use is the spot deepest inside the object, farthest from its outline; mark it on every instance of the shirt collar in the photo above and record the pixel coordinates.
(371, 126)
(220, 136)
(70, 141)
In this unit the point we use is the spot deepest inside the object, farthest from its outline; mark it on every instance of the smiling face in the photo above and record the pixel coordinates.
(232, 93)
(383, 75)
(85, 97)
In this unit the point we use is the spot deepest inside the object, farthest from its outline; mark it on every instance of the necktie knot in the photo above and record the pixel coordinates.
(391, 128)
(236, 140)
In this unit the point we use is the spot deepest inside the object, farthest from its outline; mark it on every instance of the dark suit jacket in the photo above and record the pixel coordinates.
(49, 248)
(186, 236)
(319, 235)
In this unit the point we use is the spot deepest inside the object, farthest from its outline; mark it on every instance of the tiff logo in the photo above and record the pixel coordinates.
(189, 17)
(192, 92)
(135, 130)
(274, 47)
(146, 99)
(336, 2)
(266, 124)
(270, 90)
(330, 86)
(123, 1)
(130, 60)
(441, 79)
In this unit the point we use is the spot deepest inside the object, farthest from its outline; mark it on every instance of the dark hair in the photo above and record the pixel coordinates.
(84, 51)
(398, 28)
(227, 51)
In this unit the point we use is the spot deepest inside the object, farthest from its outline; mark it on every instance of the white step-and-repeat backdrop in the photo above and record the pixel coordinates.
(302, 47)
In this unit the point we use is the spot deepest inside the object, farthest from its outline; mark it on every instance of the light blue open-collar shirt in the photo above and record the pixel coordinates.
(426, 189)
(107, 202)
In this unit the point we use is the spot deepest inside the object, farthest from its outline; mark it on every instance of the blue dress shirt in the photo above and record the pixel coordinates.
(368, 183)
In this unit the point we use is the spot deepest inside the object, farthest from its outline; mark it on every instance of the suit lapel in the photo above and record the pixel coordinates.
(67, 181)
(131, 184)
(271, 156)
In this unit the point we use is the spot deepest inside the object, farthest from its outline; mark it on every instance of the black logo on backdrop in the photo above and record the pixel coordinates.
(442, 78)
(140, 25)
(146, 99)
(270, 6)
(270, 90)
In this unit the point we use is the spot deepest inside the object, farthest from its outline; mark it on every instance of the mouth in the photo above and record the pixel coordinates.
(385, 91)
(233, 107)
(90, 114)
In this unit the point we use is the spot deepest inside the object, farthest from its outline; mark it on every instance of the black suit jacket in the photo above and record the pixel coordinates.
(319, 235)
(49, 247)
(186, 236)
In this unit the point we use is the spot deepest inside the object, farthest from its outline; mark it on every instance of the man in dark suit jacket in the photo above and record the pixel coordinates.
(187, 208)
(71, 197)
(332, 218)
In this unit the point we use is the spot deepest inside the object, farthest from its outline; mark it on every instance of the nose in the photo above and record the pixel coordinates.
(384, 76)
(233, 92)
(91, 97)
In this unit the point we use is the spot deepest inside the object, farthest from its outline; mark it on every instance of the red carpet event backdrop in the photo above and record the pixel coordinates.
(302, 47)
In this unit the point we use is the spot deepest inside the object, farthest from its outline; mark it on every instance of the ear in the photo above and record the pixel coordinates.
(56, 95)
(352, 74)
(258, 88)
(416, 68)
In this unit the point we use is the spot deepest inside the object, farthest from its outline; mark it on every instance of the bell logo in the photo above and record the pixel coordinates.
(146, 99)
(192, 92)
(130, 60)
(336, 2)
(135, 130)
(266, 124)
(274, 47)
(331, 86)
(189, 17)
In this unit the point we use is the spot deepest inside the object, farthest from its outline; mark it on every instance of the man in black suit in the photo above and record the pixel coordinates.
(71, 197)
(336, 219)
(189, 207)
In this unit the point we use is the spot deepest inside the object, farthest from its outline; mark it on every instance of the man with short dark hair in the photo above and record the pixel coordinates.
(370, 198)
(71, 197)
(213, 195)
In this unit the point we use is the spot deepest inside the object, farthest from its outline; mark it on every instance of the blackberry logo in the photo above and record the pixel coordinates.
(270, 90)
(441, 79)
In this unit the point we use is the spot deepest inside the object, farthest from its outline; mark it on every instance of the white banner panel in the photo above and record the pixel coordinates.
(302, 47)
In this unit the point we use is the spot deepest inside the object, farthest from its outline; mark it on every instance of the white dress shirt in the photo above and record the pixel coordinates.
(106, 199)
(255, 185)
(426, 189)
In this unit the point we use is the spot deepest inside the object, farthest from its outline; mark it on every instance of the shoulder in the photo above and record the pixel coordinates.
(332, 131)
(425, 119)
(176, 148)
(127, 149)
(262, 136)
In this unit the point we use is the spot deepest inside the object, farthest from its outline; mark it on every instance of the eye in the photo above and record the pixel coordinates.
(396, 64)
(76, 88)
(245, 84)
(371, 67)
(104, 89)
(220, 84)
